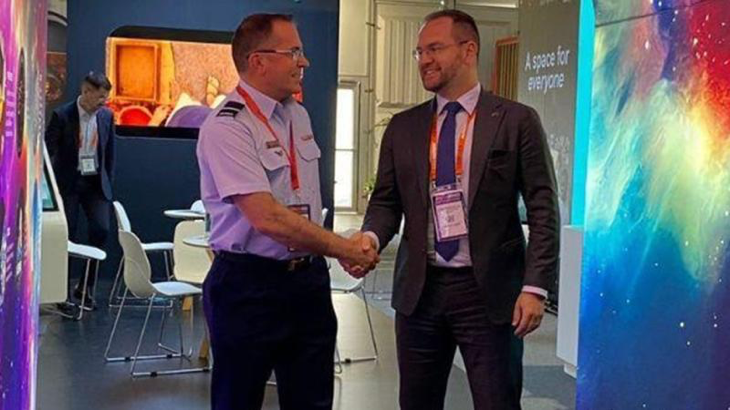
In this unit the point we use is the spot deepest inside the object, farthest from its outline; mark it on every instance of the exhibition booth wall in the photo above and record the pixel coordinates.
(654, 325)
(155, 173)
(22, 99)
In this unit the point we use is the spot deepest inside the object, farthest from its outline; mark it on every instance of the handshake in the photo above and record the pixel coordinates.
(361, 255)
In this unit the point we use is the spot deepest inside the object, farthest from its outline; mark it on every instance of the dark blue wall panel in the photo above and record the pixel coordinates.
(153, 174)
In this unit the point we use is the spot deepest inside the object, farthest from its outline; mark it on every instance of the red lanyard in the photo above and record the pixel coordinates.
(459, 152)
(290, 154)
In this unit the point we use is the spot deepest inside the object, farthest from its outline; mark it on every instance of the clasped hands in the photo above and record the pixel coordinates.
(362, 255)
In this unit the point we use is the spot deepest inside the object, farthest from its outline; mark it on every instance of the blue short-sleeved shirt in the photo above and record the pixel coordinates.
(238, 155)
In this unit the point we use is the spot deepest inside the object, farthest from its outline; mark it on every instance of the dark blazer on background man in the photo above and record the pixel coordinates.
(62, 142)
(509, 157)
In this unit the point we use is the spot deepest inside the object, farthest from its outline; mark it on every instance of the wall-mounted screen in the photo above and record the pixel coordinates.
(166, 81)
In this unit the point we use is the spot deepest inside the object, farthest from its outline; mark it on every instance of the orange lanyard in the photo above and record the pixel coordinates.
(460, 148)
(290, 154)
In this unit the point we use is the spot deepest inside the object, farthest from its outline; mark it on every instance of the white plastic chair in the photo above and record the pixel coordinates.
(137, 278)
(373, 277)
(124, 225)
(342, 283)
(197, 206)
(191, 264)
(89, 253)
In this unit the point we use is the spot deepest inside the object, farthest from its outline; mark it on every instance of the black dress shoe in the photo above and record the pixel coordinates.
(89, 302)
(67, 309)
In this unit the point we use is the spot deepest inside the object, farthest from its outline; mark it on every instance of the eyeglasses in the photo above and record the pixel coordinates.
(434, 49)
(296, 54)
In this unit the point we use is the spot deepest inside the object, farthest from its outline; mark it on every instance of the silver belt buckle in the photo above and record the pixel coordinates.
(295, 263)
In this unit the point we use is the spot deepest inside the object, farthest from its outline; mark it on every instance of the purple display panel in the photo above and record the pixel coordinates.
(22, 92)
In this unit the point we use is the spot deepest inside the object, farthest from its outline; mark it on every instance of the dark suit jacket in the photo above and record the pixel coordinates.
(62, 142)
(510, 156)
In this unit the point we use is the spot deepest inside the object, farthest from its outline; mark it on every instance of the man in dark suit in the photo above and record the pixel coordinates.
(455, 166)
(80, 142)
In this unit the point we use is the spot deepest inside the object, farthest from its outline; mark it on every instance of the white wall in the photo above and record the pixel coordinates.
(57, 6)
(376, 40)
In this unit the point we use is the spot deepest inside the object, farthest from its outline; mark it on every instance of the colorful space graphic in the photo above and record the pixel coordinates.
(22, 92)
(610, 11)
(655, 312)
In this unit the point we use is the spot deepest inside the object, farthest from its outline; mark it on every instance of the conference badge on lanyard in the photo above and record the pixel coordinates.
(302, 210)
(88, 164)
(447, 201)
(449, 212)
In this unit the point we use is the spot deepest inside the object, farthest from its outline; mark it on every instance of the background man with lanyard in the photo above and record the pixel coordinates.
(80, 142)
(267, 295)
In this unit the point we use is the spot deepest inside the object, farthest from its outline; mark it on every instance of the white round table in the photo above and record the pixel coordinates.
(198, 241)
(186, 214)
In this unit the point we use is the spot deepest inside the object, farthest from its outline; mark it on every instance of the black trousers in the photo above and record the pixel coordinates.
(451, 313)
(89, 198)
(262, 317)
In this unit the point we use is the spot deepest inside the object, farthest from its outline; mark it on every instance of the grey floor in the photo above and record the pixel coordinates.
(72, 373)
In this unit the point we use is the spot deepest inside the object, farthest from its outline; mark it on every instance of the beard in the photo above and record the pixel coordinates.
(440, 78)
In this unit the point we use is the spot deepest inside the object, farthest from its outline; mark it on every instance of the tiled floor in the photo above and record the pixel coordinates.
(72, 373)
(546, 386)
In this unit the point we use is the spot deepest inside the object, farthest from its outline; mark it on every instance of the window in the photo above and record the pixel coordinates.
(346, 146)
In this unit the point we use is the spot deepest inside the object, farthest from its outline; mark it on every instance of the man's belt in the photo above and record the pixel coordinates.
(296, 264)
(288, 265)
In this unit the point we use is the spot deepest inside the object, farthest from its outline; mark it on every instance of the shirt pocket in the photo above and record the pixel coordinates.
(308, 150)
(273, 159)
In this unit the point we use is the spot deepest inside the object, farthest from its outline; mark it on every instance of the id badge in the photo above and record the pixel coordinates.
(304, 211)
(88, 165)
(449, 213)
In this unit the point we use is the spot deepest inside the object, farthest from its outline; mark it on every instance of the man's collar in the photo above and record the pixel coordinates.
(82, 110)
(266, 104)
(468, 100)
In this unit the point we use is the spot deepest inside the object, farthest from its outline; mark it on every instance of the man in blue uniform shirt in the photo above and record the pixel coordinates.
(267, 295)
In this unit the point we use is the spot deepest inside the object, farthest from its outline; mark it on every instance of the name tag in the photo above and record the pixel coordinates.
(304, 211)
(301, 209)
(88, 165)
(449, 213)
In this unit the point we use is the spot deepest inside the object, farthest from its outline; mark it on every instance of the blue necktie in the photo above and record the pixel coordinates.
(445, 169)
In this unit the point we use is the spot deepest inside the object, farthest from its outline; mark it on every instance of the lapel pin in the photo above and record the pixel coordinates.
(495, 114)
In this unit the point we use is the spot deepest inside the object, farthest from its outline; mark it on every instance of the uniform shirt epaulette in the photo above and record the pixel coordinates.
(230, 109)
(235, 105)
